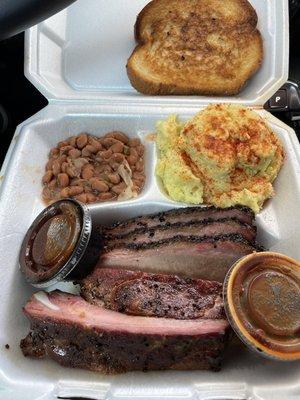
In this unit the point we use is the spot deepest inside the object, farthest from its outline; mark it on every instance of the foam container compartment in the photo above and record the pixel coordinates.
(77, 59)
(81, 53)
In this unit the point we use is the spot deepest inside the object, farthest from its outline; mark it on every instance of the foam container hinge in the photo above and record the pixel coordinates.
(77, 60)
(81, 53)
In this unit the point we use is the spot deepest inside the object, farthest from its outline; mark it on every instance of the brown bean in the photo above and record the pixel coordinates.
(138, 184)
(140, 150)
(64, 166)
(104, 155)
(52, 184)
(118, 189)
(104, 168)
(139, 166)
(72, 171)
(118, 135)
(106, 196)
(72, 141)
(81, 141)
(115, 166)
(91, 149)
(46, 193)
(114, 178)
(74, 190)
(95, 143)
(49, 164)
(47, 177)
(87, 187)
(65, 192)
(108, 142)
(54, 152)
(131, 160)
(65, 149)
(81, 197)
(117, 147)
(87, 171)
(63, 143)
(85, 152)
(138, 176)
(56, 167)
(62, 158)
(74, 153)
(133, 157)
(63, 180)
(80, 163)
(77, 182)
(117, 158)
(90, 198)
(133, 152)
(134, 142)
(98, 185)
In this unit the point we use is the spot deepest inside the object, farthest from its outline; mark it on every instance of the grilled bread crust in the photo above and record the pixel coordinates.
(195, 47)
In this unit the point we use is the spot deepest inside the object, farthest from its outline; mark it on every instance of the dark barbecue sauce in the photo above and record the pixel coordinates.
(264, 302)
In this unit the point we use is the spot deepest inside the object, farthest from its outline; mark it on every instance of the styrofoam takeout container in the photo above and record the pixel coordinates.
(77, 59)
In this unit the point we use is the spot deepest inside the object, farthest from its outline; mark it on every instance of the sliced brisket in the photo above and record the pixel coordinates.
(77, 334)
(181, 215)
(192, 257)
(194, 228)
(153, 295)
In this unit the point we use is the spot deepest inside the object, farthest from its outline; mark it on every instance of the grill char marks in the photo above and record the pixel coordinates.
(202, 228)
(151, 295)
(193, 257)
(180, 215)
(80, 335)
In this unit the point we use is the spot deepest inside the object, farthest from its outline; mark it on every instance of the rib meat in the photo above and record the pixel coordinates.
(153, 295)
(194, 228)
(182, 215)
(193, 257)
(78, 334)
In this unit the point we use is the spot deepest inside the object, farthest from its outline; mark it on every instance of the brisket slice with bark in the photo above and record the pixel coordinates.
(78, 334)
(180, 215)
(206, 258)
(153, 295)
(203, 228)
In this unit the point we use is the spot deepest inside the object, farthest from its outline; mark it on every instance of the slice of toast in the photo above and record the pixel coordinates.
(195, 47)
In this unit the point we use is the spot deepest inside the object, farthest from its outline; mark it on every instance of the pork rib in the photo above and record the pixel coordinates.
(153, 295)
(77, 334)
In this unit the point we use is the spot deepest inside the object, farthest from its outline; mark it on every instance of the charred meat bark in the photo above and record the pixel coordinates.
(180, 215)
(153, 295)
(77, 334)
(205, 228)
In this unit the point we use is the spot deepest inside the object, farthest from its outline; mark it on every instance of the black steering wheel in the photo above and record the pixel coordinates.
(18, 15)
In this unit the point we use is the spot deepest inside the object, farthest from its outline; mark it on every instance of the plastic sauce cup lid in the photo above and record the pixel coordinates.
(262, 303)
(61, 243)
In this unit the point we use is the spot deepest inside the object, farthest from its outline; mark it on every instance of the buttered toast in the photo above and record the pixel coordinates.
(195, 47)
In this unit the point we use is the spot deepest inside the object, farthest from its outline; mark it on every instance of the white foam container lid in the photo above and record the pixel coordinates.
(77, 59)
(81, 53)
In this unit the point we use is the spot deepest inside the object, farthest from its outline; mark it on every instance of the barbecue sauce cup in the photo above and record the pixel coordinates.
(63, 243)
(262, 303)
